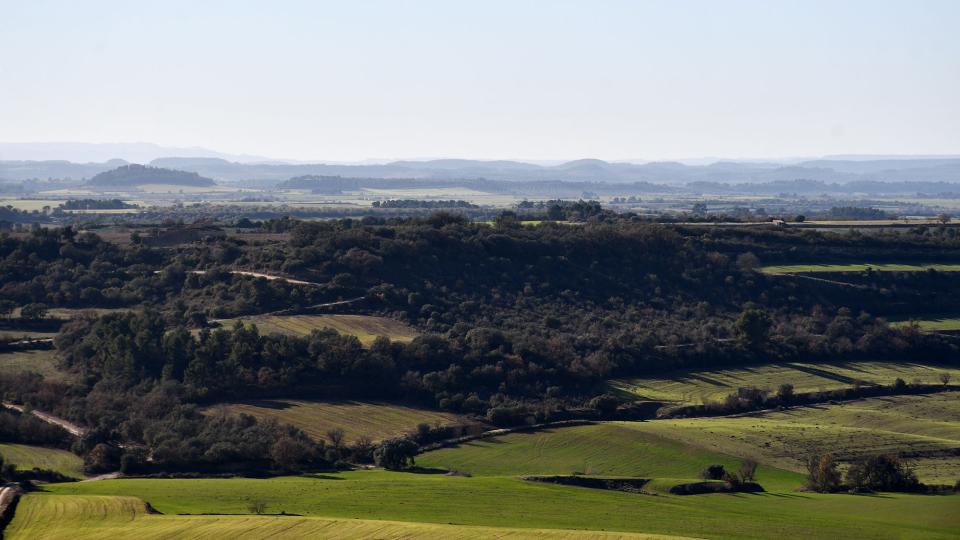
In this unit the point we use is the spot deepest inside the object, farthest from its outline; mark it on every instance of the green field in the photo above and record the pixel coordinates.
(683, 387)
(43, 362)
(357, 418)
(509, 502)
(367, 328)
(605, 449)
(881, 267)
(92, 517)
(27, 457)
(925, 426)
(16, 335)
(932, 324)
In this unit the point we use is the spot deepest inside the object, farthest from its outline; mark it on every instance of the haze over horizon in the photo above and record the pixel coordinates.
(530, 81)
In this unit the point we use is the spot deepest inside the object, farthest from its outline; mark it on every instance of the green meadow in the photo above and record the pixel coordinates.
(495, 501)
(877, 267)
(27, 457)
(711, 386)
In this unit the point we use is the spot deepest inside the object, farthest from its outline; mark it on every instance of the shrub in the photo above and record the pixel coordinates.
(604, 404)
(748, 470)
(822, 473)
(785, 393)
(396, 454)
(257, 507)
(882, 473)
(713, 472)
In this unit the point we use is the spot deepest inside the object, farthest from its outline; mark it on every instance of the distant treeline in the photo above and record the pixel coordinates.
(97, 204)
(415, 203)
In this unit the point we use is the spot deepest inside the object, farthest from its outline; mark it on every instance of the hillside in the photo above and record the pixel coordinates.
(137, 175)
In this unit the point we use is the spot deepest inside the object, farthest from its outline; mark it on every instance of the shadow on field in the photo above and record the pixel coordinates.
(425, 470)
(269, 404)
(788, 495)
(319, 476)
(698, 377)
(827, 374)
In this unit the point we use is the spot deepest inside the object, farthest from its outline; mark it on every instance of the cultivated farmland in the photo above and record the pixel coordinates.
(605, 449)
(357, 418)
(27, 457)
(924, 429)
(365, 327)
(881, 267)
(95, 517)
(41, 361)
(511, 502)
(931, 324)
(712, 386)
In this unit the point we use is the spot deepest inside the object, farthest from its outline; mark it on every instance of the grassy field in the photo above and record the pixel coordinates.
(27, 457)
(367, 328)
(882, 267)
(711, 386)
(607, 449)
(932, 324)
(94, 517)
(43, 362)
(375, 420)
(509, 502)
(926, 427)
(25, 334)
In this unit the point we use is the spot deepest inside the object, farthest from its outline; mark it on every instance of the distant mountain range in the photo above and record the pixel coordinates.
(836, 171)
(101, 152)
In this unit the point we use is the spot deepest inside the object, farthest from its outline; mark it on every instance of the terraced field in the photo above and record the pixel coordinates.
(711, 386)
(357, 418)
(924, 428)
(367, 328)
(881, 267)
(487, 501)
(26, 457)
(98, 517)
(43, 362)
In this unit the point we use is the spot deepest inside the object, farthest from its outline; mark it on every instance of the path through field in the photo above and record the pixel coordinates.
(50, 419)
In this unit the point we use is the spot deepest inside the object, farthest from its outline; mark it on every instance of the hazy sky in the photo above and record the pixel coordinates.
(486, 79)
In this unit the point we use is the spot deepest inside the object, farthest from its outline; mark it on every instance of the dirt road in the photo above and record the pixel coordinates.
(74, 429)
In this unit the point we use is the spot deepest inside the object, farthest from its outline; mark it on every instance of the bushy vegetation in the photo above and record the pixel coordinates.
(520, 324)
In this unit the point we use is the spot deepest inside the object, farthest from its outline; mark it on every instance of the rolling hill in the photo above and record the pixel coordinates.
(134, 175)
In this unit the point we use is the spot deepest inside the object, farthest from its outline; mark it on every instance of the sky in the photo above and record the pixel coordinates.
(352, 80)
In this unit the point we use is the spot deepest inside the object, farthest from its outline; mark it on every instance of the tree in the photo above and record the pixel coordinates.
(605, 404)
(800, 218)
(882, 473)
(822, 473)
(33, 312)
(747, 261)
(257, 507)
(103, 458)
(785, 393)
(944, 218)
(289, 453)
(945, 378)
(713, 472)
(748, 470)
(396, 454)
(753, 328)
